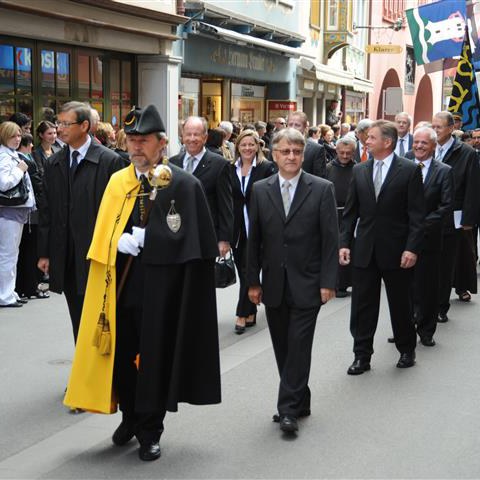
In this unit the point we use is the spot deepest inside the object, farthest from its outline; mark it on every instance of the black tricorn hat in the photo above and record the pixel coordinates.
(143, 121)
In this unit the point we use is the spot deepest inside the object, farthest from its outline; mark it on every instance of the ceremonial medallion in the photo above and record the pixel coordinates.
(174, 220)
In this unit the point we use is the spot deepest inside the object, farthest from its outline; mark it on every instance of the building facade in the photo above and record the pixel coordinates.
(98, 51)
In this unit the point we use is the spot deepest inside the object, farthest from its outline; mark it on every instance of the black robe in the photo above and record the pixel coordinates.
(179, 349)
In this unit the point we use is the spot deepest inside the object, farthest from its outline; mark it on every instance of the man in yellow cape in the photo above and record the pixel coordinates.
(172, 325)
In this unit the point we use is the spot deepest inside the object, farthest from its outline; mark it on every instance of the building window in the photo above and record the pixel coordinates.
(55, 87)
(15, 80)
(315, 18)
(332, 14)
(393, 10)
(120, 90)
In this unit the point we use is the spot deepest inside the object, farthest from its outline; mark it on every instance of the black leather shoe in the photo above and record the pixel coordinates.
(442, 318)
(427, 341)
(358, 366)
(391, 339)
(302, 414)
(406, 360)
(149, 451)
(288, 424)
(123, 434)
(12, 305)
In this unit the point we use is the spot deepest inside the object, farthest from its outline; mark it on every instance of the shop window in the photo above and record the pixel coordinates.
(332, 15)
(120, 90)
(393, 10)
(248, 103)
(90, 81)
(15, 80)
(212, 103)
(189, 99)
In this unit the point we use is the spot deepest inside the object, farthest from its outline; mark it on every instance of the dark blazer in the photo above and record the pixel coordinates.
(463, 160)
(214, 173)
(314, 159)
(438, 189)
(71, 212)
(357, 158)
(41, 159)
(263, 170)
(387, 226)
(302, 247)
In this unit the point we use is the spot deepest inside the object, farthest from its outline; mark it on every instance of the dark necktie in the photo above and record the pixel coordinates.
(144, 188)
(401, 149)
(74, 164)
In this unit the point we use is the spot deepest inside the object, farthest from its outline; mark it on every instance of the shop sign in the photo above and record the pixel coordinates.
(252, 91)
(279, 108)
(224, 55)
(383, 49)
(308, 84)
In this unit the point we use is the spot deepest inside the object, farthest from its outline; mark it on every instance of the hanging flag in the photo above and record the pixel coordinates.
(437, 30)
(464, 96)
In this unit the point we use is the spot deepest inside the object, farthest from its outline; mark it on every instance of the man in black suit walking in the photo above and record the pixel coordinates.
(292, 239)
(385, 211)
(403, 122)
(463, 160)
(314, 156)
(438, 189)
(73, 184)
(214, 173)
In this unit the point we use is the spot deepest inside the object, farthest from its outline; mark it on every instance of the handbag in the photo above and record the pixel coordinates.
(225, 271)
(17, 195)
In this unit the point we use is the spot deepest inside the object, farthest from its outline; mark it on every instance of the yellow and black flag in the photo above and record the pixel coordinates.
(464, 97)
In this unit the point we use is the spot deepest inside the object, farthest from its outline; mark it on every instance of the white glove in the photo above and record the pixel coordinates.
(127, 244)
(139, 235)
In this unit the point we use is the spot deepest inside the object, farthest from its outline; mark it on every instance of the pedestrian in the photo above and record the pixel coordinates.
(13, 170)
(293, 236)
(47, 135)
(361, 134)
(28, 275)
(166, 311)
(339, 172)
(458, 266)
(385, 210)
(73, 184)
(23, 121)
(332, 116)
(314, 159)
(249, 167)
(438, 190)
(403, 122)
(214, 173)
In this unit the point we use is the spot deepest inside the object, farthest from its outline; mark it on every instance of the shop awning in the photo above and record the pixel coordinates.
(362, 85)
(326, 73)
(244, 40)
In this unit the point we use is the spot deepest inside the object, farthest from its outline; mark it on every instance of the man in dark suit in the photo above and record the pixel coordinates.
(361, 132)
(438, 189)
(292, 239)
(463, 160)
(403, 122)
(385, 212)
(73, 184)
(314, 157)
(214, 173)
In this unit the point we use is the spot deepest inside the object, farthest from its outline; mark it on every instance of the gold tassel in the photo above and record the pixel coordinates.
(97, 334)
(105, 344)
(106, 339)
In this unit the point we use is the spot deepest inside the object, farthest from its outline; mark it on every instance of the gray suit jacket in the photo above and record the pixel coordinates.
(302, 247)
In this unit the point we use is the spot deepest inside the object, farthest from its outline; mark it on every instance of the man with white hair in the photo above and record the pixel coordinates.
(403, 122)
(227, 127)
(361, 132)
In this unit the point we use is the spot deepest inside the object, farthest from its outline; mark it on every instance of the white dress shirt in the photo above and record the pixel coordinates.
(293, 184)
(197, 158)
(405, 145)
(386, 162)
(244, 185)
(426, 166)
(82, 150)
(445, 147)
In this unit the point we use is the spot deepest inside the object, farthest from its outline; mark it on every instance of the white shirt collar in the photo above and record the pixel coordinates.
(198, 156)
(293, 181)
(446, 146)
(426, 162)
(82, 150)
(386, 161)
(238, 163)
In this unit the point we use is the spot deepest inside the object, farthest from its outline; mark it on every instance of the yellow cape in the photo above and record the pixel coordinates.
(90, 386)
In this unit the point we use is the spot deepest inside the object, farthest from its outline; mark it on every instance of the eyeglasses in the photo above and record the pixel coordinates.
(67, 124)
(287, 151)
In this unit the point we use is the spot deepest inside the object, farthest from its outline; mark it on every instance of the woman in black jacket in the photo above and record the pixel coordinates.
(250, 166)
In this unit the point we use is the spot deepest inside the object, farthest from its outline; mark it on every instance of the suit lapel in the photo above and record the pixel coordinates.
(368, 172)
(203, 166)
(302, 191)
(275, 195)
(395, 167)
(431, 173)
